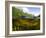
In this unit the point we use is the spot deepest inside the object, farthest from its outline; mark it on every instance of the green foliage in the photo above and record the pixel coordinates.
(24, 24)
(19, 12)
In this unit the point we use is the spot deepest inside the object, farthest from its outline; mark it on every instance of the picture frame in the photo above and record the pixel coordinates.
(8, 19)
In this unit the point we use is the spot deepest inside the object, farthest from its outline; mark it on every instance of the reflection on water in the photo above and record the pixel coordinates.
(25, 24)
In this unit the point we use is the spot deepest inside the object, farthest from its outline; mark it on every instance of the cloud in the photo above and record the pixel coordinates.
(27, 11)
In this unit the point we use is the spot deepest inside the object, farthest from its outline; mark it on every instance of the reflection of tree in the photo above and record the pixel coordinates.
(26, 24)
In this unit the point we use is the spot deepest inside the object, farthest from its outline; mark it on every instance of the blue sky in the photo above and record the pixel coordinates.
(31, 10)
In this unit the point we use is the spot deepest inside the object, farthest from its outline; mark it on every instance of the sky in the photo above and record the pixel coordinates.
(31, 10)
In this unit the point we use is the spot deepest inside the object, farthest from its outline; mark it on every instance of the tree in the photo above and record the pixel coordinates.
(16, 12)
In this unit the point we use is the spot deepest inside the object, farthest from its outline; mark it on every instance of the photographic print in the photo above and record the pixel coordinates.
(24, 18)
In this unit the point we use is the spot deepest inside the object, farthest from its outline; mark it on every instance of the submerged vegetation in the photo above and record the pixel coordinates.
(23, 21)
